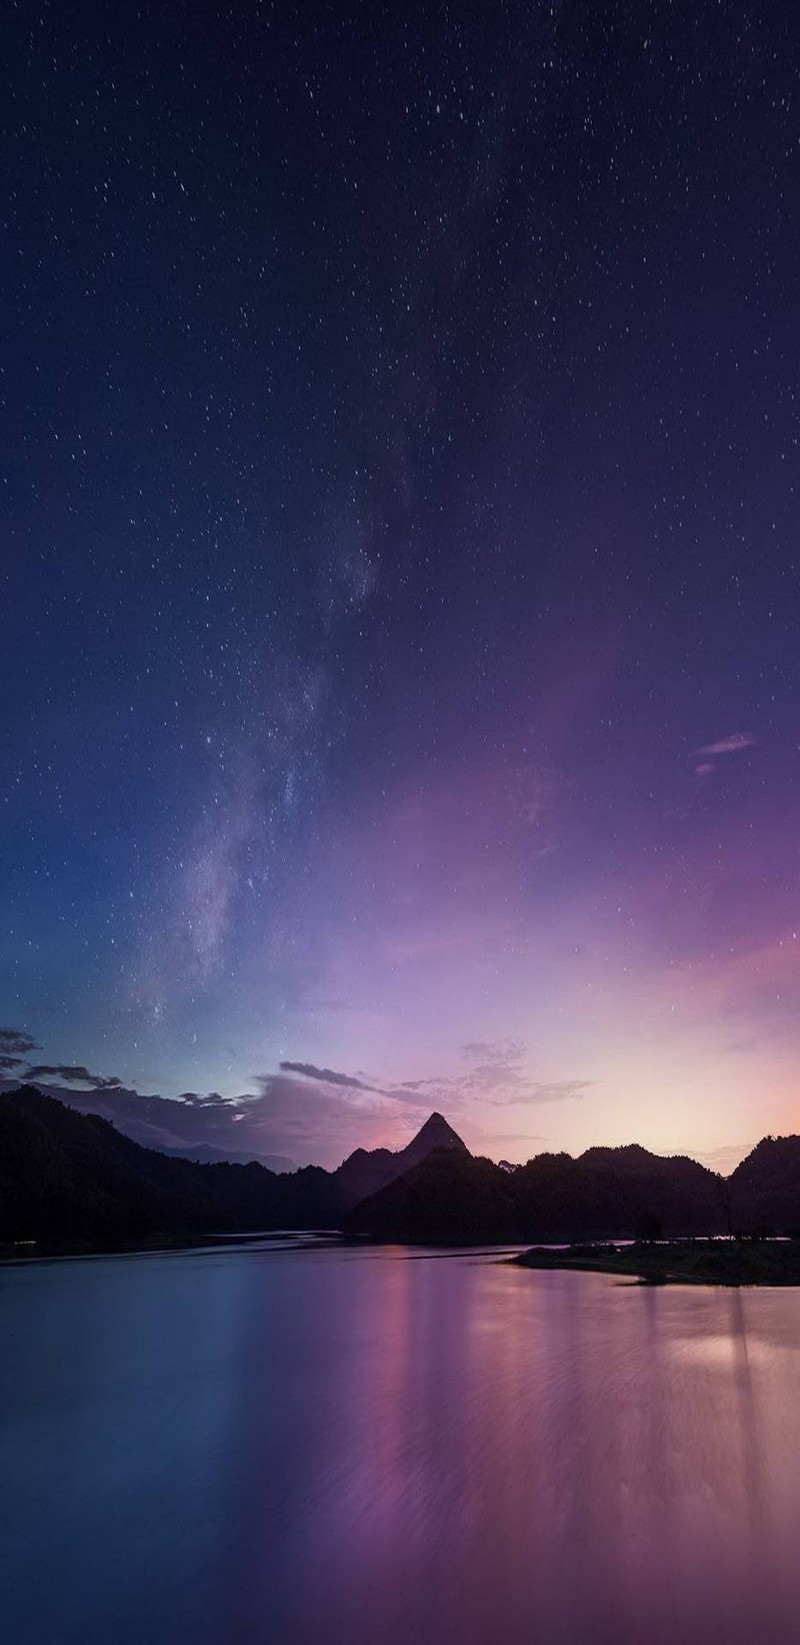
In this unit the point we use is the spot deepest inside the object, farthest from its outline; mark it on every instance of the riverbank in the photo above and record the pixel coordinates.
(679, 1262)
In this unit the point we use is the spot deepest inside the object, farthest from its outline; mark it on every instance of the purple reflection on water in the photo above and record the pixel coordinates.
(355, 1446)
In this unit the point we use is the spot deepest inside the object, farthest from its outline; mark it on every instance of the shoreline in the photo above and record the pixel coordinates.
(727, 1262)
(22, 1252)
(708, 1261)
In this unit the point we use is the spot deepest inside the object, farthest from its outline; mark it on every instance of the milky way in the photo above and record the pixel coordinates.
(399, 569)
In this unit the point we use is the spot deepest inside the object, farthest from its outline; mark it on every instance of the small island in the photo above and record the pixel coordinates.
(766, 1261)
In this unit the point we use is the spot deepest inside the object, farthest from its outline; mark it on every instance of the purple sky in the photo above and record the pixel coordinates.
(400, 568)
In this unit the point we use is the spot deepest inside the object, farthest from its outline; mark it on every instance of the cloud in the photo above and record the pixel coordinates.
(724, 1159)
(17, 1042)
(74, 1074)
(498, 1068)
(498, 1077)
(170, 1122)
(438, 1089)
(494, 1050)
(310, 1119)
(407, 1092)
(435, 1092)
(212, 1099)
(329, 1076)
(729, 745)
(535, 1091)
(493, 1076)
(559, 1090)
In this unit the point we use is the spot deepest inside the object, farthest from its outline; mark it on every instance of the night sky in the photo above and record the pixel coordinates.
(399, 569)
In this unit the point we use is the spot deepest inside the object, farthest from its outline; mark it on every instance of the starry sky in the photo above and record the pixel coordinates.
(400, 699)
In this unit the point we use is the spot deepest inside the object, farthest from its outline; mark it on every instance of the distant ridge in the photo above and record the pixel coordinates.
(204, 1153)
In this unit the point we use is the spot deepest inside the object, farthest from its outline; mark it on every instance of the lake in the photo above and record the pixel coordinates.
(341, 1446)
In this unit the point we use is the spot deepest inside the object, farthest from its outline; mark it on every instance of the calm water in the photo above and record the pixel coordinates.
(353, 1447)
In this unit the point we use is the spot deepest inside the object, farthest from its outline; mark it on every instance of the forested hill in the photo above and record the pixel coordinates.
(606, 1193)
(71, 1177)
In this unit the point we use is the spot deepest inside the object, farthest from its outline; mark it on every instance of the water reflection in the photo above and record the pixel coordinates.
(349, 1446)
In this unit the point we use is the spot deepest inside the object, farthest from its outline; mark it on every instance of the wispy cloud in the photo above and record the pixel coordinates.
(15, 1044)
(409, 1092)
(211, 1099)
(728, 745)
(329, 1076)
(724, 1159)
(323, 1121)
(559, 1090)
(72, 1074)
(499, 1077)
(494, 1050)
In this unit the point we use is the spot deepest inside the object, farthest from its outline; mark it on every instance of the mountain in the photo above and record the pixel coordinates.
(606, 1193)
(366, 1171)
(153, 1122)
(448, 1196)
(435, 1133)
(765, 1189)
(69, 1177)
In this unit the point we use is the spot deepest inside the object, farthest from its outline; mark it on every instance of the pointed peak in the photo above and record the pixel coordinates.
(435, 1133)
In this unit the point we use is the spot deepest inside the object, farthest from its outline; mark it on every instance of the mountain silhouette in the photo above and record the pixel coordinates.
(365, 1171)
(149, 1120)
(72, 1180)
(607, 1193)
(72, 1177)
(204, 1153)
(765, 1189)
(435, 1133)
